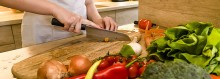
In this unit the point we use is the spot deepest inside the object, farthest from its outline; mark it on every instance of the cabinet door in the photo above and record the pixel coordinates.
(17, 35)
(6, 39)
(109, 14)
(126, 16)
(7, 47)
(6, 36)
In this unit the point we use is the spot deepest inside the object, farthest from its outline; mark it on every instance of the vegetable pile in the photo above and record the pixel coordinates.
(197, 43)
(174, 70)
(122, 65)
(190, 51)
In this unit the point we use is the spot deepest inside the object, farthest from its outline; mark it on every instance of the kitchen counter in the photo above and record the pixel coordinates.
(10, 18)
(7, 59)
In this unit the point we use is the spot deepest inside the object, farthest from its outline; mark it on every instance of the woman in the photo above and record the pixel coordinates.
(37, 28)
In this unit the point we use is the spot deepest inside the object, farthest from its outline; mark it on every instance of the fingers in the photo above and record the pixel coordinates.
(73, 24)
(78, 25)
(68, 23)
(107, 23)
(90, 23)
(110, 24)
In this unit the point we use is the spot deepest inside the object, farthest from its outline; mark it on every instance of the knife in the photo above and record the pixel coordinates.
(98, 34)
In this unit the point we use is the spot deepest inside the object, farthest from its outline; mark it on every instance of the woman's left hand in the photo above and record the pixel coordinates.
(108, 23)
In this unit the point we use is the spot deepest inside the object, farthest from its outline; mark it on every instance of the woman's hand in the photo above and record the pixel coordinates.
(107, 23)
(72, 22)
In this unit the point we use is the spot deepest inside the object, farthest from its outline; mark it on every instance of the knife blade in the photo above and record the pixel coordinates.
(98, 34)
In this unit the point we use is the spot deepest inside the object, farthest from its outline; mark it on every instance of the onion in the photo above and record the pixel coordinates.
(79, 64)
(52, 69)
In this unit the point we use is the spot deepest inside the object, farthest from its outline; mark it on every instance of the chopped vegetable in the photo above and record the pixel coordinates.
(153, 34)
(106, 39)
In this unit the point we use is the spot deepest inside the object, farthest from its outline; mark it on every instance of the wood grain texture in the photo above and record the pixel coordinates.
(17, 35)
(27, 69)
(7, 47)
(170, 13)
(6, 36)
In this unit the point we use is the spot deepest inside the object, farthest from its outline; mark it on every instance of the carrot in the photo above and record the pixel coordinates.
(214, 76)
(153, 34)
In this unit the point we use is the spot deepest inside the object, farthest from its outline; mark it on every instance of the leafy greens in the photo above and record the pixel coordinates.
(197, 43)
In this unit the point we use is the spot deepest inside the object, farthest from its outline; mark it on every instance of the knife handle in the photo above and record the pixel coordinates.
(58, 23)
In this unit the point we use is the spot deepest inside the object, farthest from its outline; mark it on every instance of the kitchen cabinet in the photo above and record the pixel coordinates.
(122, 16)
(6, 38)
(16, 29)
(126, 16)
(10, 37)
(7, 47)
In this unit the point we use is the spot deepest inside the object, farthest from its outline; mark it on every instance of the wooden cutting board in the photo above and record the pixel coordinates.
(27, 69)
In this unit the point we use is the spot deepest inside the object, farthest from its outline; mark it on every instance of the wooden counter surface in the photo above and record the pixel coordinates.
(8, 59)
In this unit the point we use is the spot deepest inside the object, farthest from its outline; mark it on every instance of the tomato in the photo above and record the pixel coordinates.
(142, 63)
(103, 65)
(141, 70)
(136, 64)
(123, 60)
(133, 71)
(110, 59)
(117, 58)
(131, 58)
(144, 23)
(150, 61)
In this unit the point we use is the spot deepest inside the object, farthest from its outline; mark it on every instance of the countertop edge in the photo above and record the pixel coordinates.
(116, 8)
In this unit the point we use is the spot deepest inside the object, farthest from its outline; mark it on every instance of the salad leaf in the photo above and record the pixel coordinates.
(197, 43)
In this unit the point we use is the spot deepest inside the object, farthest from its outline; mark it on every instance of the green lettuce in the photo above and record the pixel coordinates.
(197, 43)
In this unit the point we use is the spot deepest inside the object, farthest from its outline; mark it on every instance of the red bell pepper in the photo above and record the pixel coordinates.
(116, 71)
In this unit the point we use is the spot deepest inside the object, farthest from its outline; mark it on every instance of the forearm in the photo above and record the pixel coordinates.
(38, 6)
(92, 12)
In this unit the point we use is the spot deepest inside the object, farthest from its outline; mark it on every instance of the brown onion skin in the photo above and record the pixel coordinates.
(52, 69)
(79, 64)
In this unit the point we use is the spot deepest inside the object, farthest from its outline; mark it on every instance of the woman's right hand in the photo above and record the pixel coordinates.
(72, 22)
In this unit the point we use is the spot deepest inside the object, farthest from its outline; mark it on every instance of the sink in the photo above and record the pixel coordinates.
(100, 6)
